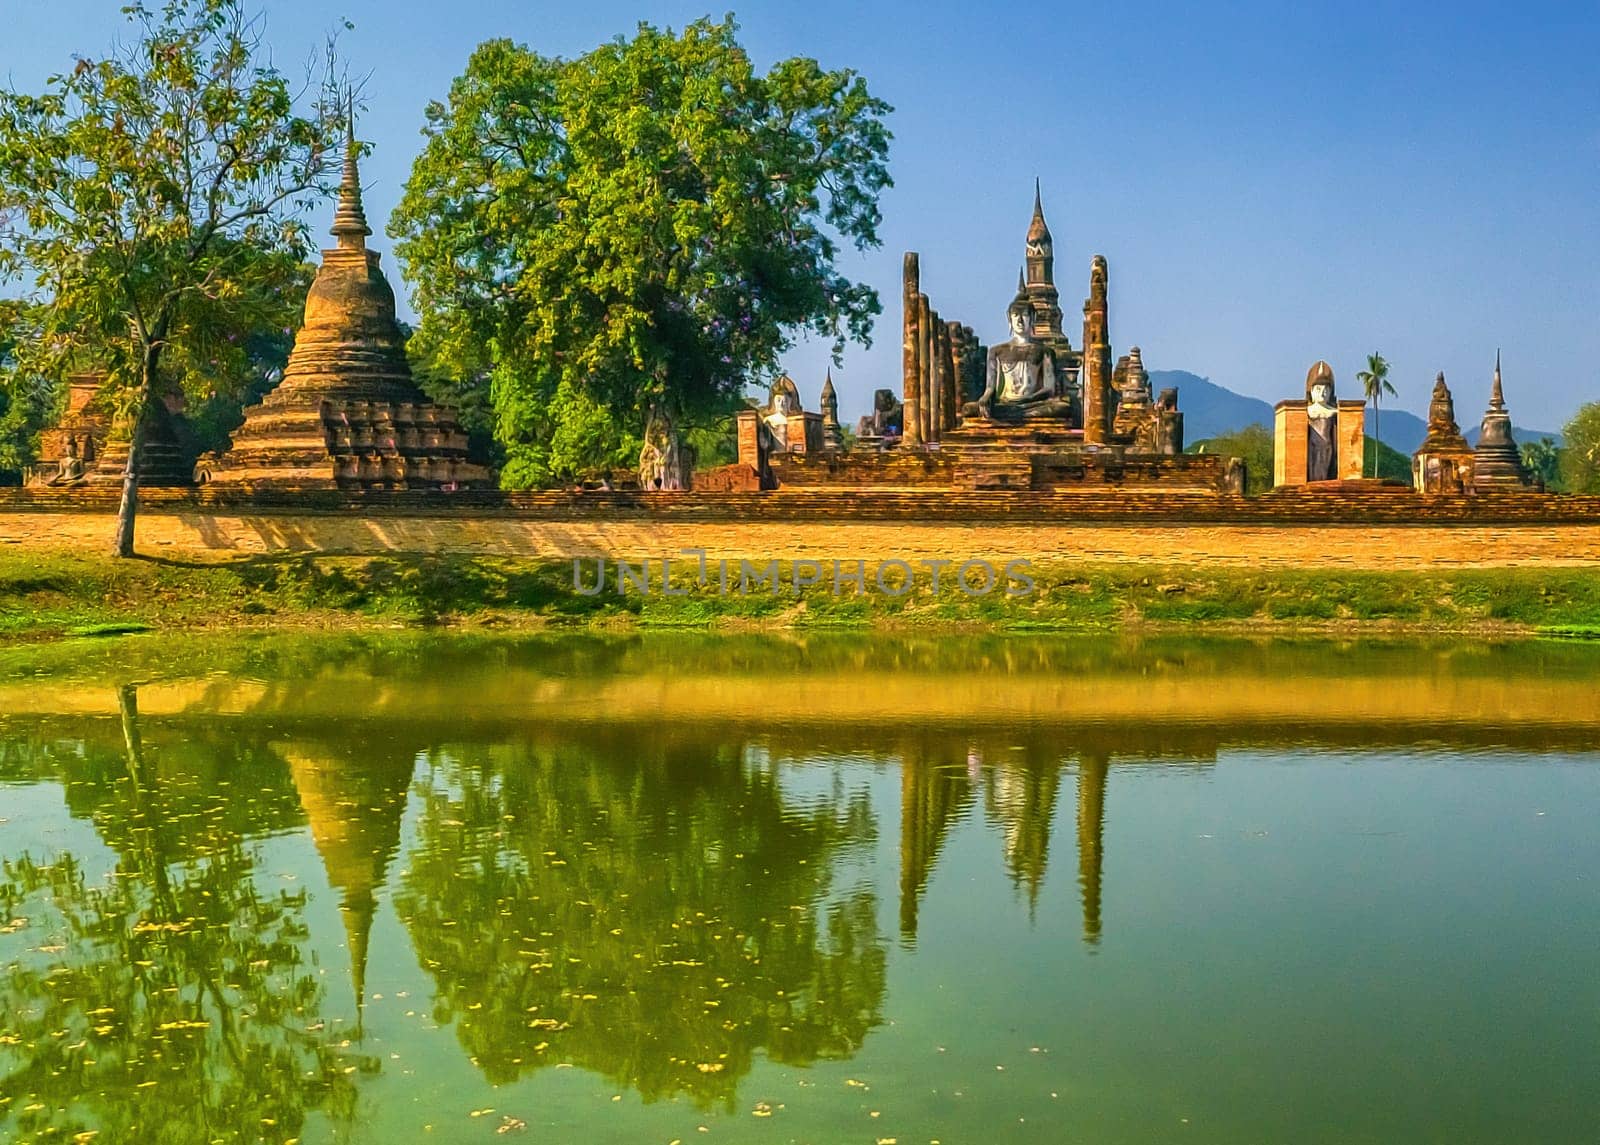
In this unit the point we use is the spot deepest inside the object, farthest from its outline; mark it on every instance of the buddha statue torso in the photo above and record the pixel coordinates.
(1021, 381)
(1322, 423)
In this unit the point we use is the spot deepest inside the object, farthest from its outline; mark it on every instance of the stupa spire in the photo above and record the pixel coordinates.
(350, 218)
(1037, 229)
(1497, 397)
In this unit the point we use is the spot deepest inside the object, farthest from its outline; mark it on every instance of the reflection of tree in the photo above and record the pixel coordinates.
(168, 1002)
(657, 920)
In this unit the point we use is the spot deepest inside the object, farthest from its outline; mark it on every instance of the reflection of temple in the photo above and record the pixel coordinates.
(932, 797)
(1019, 797)
(354, 802)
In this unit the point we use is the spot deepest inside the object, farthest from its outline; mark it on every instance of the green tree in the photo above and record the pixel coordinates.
(147, 188)
(26, 400)
(1543, 459)
(660, 914)
(1375, 385)
(1253, 444)
(1580, 452)
(653, 220)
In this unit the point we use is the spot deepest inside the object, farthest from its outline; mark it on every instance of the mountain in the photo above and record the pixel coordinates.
(1210, 409)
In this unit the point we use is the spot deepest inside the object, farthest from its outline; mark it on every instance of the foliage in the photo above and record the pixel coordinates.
(1254, 445)
(1385, 461)
(656, 916)
(1542, 458)
(153, 198)
(27, 401)
(1375, 386)
(1580, 451)
(173, 1002)
(653, 219)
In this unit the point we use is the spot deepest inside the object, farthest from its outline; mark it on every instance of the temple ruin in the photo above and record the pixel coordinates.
(348, 414)
(1033, 412)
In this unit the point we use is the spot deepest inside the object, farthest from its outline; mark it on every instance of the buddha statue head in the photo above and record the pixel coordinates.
(1020, 317)
(1319, 385)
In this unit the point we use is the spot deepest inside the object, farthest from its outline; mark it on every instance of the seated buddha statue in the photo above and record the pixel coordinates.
(1021, 382)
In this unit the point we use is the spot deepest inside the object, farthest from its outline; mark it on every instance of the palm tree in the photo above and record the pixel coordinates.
(1375, 383)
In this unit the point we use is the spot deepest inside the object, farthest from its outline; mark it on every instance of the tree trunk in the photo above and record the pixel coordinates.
(1377, 441)
(129, 507)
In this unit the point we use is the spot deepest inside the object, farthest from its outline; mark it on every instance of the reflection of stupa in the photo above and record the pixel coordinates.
(347, 414)
(354, 806)
(1091, 838)
(1022, 800)
(932, 797)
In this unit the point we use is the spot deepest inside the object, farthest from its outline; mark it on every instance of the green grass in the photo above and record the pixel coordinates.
(51, 595)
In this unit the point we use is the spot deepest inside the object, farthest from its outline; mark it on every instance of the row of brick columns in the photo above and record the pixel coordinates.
(933, 361)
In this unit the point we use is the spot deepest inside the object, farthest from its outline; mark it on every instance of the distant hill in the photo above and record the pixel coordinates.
(1210, 409)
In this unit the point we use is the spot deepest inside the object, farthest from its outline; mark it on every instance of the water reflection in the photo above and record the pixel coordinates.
(653, 862)
(655, 911)
(164, 996)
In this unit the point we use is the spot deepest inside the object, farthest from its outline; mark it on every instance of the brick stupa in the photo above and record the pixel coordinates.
(348, 414)
(1499, 461)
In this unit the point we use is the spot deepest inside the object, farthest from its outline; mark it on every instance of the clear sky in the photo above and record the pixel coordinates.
(1271, 182)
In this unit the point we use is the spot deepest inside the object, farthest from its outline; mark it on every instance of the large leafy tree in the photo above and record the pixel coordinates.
(652, 221)
(1580, 451)
(146, 191)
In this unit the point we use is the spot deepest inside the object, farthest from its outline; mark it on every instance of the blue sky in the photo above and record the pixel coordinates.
(1271, 183)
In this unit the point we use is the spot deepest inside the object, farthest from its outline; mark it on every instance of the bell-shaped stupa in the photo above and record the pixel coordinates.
(1499, 461)
(348, 414)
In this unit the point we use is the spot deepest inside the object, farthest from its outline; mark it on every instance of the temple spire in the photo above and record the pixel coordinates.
(350, 219)
(1038, 230)
(1497, 397)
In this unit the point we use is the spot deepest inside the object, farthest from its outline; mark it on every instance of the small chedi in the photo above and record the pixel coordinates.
(1445, 462)
(1031, 412)
(832, 435)
(1497, 462)
(1319, 438)
(348, 414)
(85, 449)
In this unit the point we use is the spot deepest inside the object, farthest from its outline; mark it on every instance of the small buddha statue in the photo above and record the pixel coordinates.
(1020, 380)
(1322, 425)
(71, 467)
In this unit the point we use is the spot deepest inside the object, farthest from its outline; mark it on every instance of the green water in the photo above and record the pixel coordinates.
(846, 890)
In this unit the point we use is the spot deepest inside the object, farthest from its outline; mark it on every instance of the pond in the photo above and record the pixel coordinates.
(832, 889)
